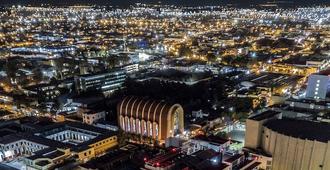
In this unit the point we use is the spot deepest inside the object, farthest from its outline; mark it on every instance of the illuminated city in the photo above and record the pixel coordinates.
(165, 85)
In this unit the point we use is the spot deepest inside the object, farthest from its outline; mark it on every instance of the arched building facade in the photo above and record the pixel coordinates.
(152, 118)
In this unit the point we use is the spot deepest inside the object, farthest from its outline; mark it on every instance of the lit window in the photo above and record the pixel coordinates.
(123, 123)
(139, 127)
(144, 128)
(128, 125)
(133, 127)
(150, 129)
(156, 129)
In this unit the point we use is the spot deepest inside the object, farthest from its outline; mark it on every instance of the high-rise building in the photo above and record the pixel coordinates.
(152, 118)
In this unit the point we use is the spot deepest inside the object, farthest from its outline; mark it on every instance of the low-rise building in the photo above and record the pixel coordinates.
(105, 82)
(201, 142)
(45, 147)
(91, 117)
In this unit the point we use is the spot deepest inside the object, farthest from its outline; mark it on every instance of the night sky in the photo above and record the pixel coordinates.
(237, 3)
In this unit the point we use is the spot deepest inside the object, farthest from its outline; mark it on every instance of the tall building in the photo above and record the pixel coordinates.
(288, 143)
(156, 119)
(254, 127)
(317, 86)
(105, 82)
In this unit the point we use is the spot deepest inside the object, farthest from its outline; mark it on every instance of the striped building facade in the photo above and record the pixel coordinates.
(152, 118)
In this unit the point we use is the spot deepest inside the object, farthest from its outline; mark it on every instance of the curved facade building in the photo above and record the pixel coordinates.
(285, 144)
(156, 119)
(297, 144)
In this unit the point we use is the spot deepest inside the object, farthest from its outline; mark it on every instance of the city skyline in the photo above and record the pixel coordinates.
(173, 85)
(126, 3)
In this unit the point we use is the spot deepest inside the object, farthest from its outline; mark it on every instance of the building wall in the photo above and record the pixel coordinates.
(103, 145)
(97, 148)
(71, 135)
(194, 145)
(294, 153)
(93, 118)
(253, 131)
(86, 155)
(265, 161)
(21, 147)
(32, 164)
(105, 82)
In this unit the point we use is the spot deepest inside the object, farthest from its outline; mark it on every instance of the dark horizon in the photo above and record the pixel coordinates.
(125, 3)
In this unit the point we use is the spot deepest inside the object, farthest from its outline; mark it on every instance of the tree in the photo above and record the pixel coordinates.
(185, 51)
(112, 61)
(59, 67)
(11, 67)
(122, 137)
(210, 57)
(37, 75)
(223, 135)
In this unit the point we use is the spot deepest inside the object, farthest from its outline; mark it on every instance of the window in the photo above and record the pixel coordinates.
(150, 129)
(128, 125)
(139, 127)
(156, 129)
(85, 153)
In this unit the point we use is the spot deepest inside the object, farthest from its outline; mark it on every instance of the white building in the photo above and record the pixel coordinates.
(317, 86)
(203, 143)
(92, 117)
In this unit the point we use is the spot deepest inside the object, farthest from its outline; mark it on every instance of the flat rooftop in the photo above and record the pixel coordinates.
(213, 139)
(264, 115)
(201, 160)
(113, 157)
(302, 60)
(302, 129)
(272, 79)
